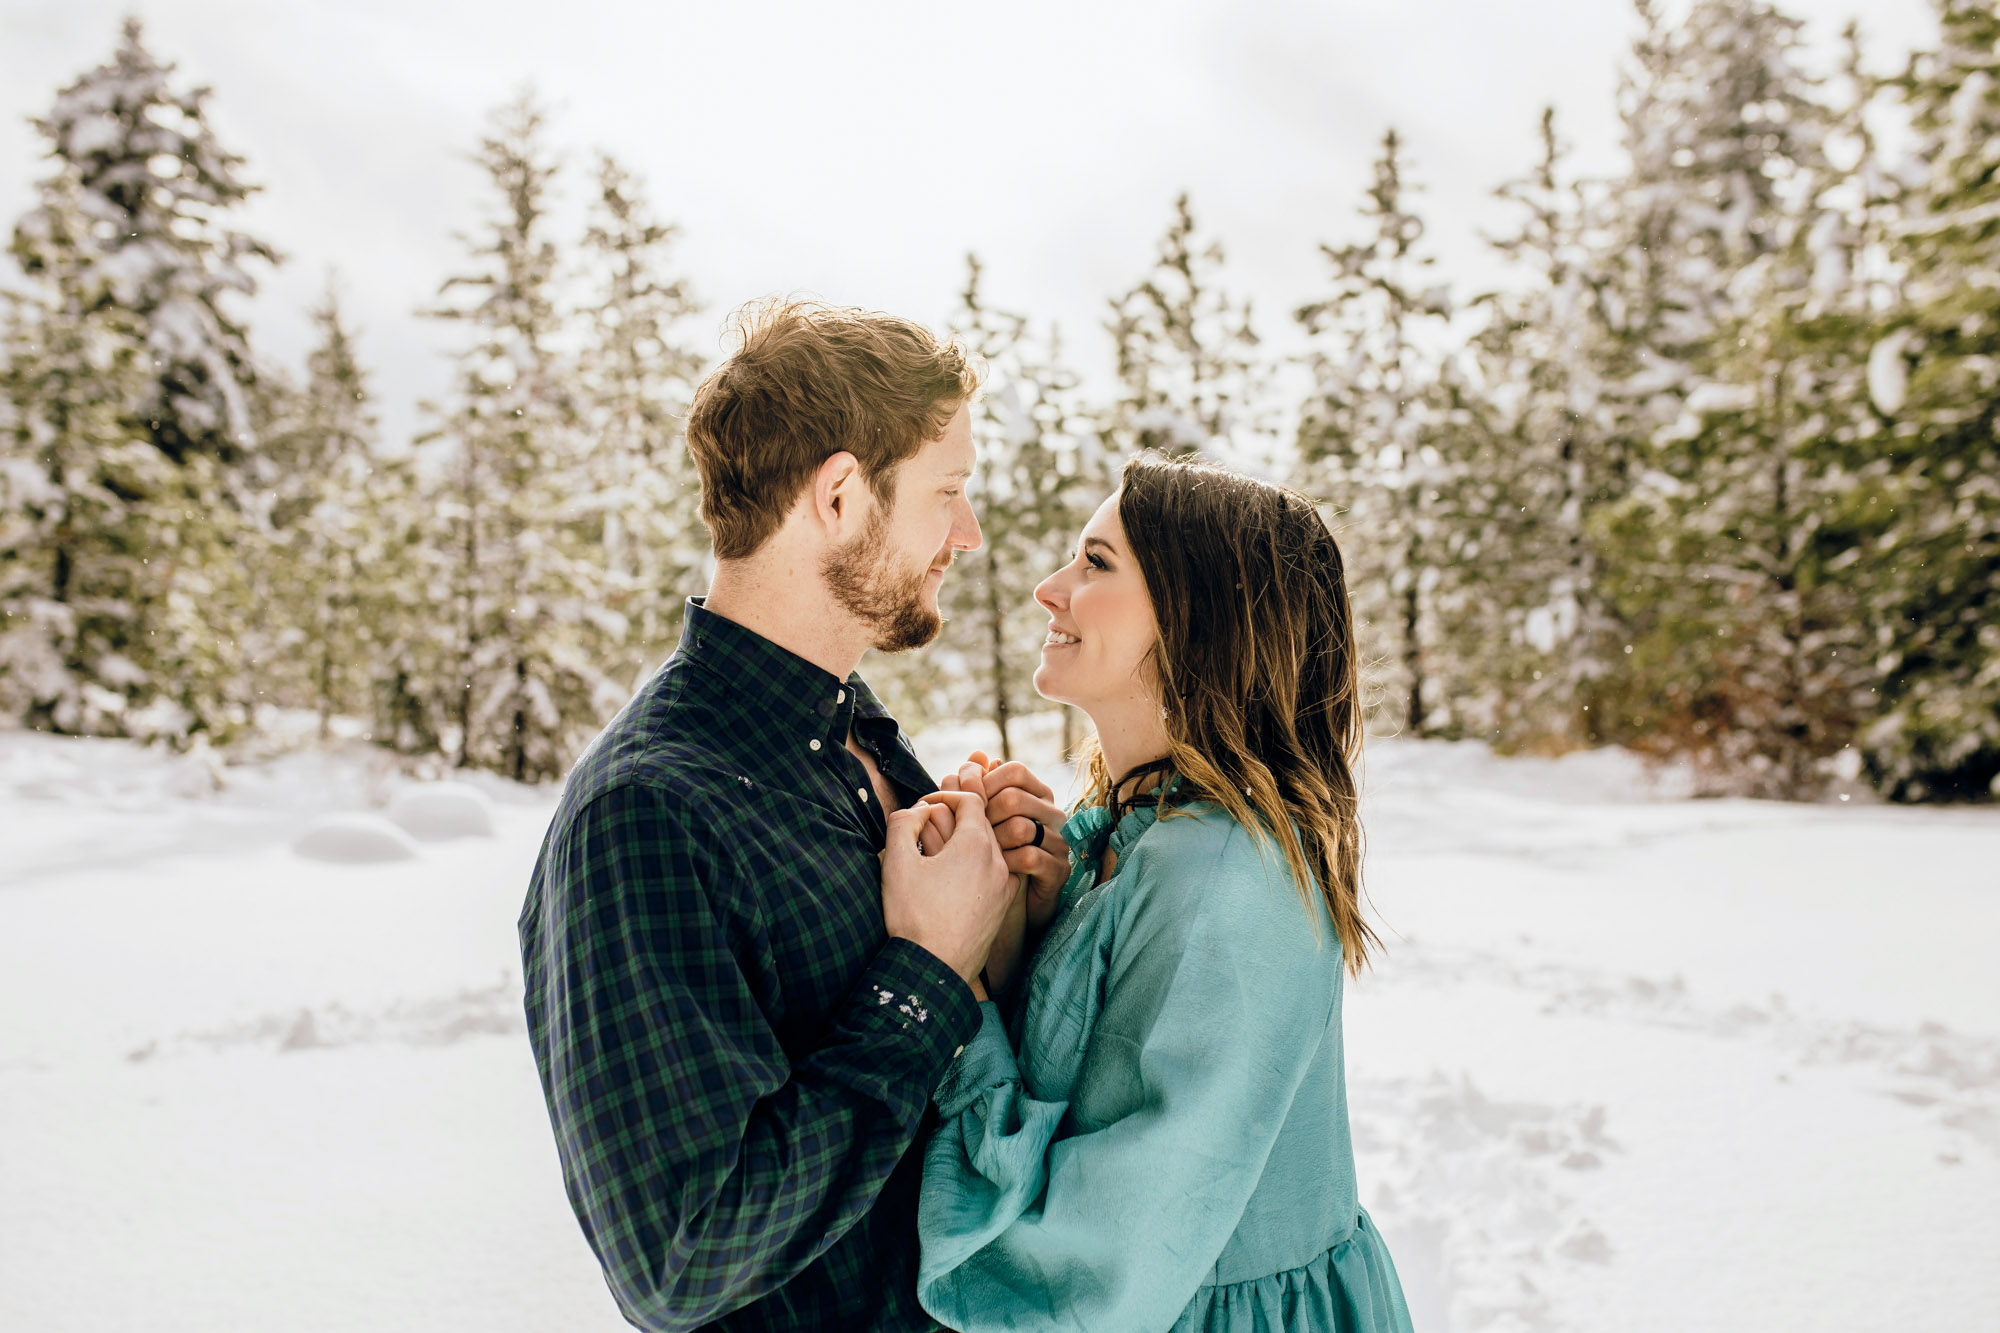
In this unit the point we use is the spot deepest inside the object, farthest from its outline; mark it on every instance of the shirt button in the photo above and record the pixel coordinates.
(813, 744)
(840, 696)
(960, 1051)
(862, 792)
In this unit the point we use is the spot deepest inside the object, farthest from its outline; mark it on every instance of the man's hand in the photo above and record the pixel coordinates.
(935, 831)
(951, 903)
(1016, 803)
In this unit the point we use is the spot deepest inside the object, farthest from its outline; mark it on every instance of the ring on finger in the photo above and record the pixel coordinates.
(1041, 830)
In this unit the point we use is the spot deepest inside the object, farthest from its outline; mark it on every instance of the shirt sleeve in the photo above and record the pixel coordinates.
(1112, 1210)
(706, 1165)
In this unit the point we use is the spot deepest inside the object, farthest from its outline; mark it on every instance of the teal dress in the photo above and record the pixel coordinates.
(1169, 1149)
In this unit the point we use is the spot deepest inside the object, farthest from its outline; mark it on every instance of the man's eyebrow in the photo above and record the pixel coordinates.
(960, 475)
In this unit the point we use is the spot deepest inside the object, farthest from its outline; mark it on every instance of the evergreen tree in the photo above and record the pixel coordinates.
(637, 380)
(1189, 370)
(1543, 471)
(527, 605)
(412, 639)
(132, 261)
(322, 465)
(1378, 436)
(1039, 478)
(79, 481)
(154, 188)
(1935, 378)
(1730, 353)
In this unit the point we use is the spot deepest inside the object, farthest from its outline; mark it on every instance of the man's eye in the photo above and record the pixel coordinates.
(951, 495)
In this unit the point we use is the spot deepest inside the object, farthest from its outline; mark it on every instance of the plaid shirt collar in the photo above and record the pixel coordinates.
(820, 702)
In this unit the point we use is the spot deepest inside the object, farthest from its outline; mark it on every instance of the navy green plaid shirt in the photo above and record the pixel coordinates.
(737, 1058)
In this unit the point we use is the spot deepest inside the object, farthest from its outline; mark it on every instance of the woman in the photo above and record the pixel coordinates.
(1170, 1148)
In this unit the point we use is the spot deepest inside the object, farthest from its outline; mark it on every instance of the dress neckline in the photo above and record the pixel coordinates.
(1089, 833)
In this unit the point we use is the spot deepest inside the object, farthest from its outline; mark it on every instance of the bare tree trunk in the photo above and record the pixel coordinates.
(518, 761)
(996, 622)
(468, 605)
(1412, 654)
(325, 690)
(1580, 665)
(42, 715)
(1793, 729)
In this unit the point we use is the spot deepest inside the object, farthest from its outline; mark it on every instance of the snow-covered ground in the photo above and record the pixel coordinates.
(1629, 1062)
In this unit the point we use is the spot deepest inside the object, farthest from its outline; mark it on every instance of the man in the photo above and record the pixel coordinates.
(743, 977)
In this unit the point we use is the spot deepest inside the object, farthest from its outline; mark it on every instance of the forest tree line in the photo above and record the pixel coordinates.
(1713, 476)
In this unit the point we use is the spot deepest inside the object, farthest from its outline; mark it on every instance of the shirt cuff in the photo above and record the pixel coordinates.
(910, 991)
(988, 1063)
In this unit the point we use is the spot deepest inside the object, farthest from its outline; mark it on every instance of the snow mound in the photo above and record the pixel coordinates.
(118, 776)
(1608, 773)
(355, 839)
(434, 811)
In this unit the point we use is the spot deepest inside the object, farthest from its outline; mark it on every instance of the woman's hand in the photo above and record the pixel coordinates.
(1026, 823)
(1019, 804)
(1010, 945)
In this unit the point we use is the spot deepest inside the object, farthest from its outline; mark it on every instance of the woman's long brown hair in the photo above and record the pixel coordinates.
(1256, 663)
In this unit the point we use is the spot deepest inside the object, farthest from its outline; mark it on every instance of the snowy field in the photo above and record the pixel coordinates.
(1631, 1062)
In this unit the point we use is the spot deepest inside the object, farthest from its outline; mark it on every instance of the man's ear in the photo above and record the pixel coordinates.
(836, 495)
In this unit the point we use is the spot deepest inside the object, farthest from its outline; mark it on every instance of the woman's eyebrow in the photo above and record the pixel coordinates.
(1089, 542)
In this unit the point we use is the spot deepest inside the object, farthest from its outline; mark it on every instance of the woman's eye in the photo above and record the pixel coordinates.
(1096, 561)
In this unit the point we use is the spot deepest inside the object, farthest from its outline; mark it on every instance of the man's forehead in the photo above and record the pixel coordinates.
(950, 457)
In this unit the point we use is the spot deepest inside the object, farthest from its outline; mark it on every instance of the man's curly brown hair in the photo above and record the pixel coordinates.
(808, 381)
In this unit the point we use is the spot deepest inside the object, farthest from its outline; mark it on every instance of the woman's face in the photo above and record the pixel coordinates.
(1101, 624)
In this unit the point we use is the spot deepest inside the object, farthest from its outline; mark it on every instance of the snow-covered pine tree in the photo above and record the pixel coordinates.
(1735, 628)
(1377, 438)
(79, 486)
(1934, 595)
(637, 377)
(320, 461)
(134, 218)
(1190, 375)
(1040, 476)
(413, 644)
(1542, 471)
(156, 187)
(525, 596)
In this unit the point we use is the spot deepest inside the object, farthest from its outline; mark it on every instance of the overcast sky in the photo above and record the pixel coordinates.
(858, 151)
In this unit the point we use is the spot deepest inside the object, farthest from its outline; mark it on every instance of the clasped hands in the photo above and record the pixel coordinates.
(973, 871)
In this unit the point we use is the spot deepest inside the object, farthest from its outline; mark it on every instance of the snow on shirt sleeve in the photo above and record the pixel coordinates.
(1216, 1002)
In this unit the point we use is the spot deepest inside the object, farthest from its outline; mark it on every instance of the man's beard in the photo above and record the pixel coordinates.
(863, 581)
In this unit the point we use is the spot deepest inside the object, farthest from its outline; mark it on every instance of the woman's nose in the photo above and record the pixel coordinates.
(1046, 592)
